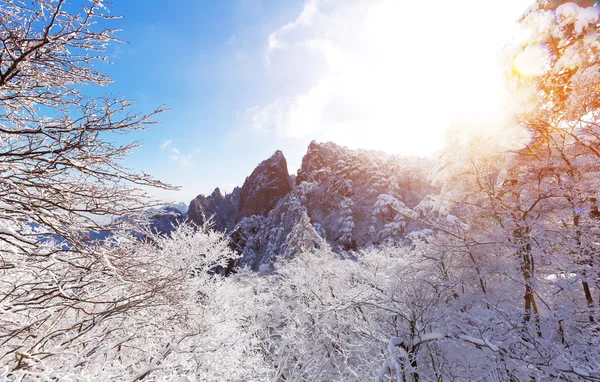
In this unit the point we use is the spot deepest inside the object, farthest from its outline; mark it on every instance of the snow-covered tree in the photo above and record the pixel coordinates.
(62, 294)
(303, 237)
(386, 215)
(557, 70)
(346, 224)
(58, 168)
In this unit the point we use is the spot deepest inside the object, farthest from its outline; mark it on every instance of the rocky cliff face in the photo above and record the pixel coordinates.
(268, 183)
(359, 197)
(318, 159)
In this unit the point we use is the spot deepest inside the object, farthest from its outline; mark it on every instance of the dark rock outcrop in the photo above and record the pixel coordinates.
(268, 183)
(222, 209)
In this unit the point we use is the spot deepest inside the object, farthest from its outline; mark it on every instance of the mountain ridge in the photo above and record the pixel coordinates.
(348, 199)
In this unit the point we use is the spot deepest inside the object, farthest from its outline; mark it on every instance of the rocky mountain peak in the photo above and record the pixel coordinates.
(216, 195)
(318, 157)
(349, 199)
(268, 183)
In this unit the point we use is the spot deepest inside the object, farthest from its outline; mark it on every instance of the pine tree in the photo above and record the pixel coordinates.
(303, 237)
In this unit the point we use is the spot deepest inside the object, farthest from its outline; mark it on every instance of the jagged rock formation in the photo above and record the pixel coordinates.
(222, 209)
(262, 239)
(268, 183)
(348, 199)
(359, 197)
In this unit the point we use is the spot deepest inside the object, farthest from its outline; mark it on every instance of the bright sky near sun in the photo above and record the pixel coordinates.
(244, 78)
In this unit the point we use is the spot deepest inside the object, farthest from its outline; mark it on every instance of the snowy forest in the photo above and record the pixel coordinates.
(480, 263)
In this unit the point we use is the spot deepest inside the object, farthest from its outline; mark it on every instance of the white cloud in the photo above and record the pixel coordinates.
(392, 75)
(309, 13)
(165, 143)
(182, 159)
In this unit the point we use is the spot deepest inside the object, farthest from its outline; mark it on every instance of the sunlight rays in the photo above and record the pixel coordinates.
(393, 76)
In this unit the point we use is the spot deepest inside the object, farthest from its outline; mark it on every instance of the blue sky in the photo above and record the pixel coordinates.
(204, 61)
(243, 78)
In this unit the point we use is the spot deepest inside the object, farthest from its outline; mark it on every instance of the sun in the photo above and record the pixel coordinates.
(532, 61)
(450, 75)
(392, 75)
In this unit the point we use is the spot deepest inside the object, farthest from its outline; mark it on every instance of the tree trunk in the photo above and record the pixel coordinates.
(581, 253)
(521, 237)
(413, 365)
(589, 299)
